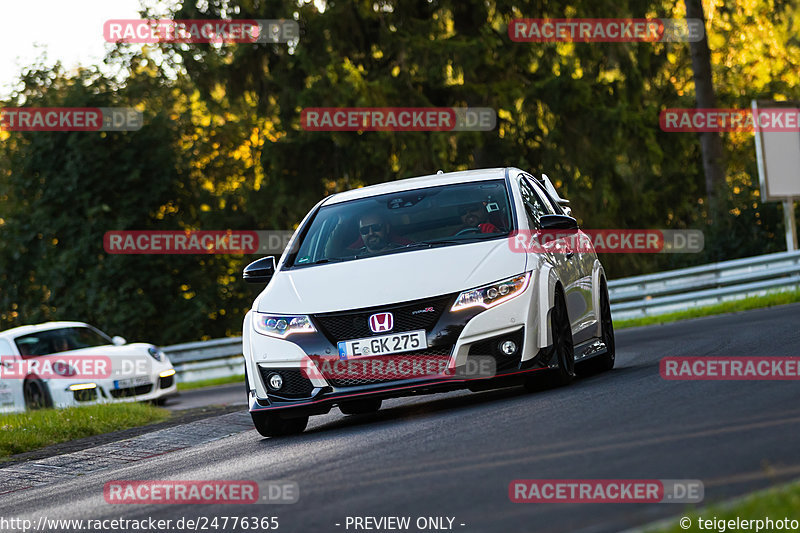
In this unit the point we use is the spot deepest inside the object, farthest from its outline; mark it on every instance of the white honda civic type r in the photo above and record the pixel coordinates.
(64, 364)
(418, 286)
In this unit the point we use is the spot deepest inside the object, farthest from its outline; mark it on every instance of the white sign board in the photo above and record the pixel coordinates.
(778, 154)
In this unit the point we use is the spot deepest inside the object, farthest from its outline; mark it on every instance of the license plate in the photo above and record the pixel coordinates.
(131, 382)
(385, 344)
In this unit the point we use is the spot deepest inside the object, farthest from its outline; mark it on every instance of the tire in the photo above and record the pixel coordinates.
(605, 361)
(562, 346)
(360, 407)
(272, 425)
(37, 395)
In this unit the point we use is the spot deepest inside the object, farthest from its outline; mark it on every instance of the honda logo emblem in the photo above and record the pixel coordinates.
(381, 322)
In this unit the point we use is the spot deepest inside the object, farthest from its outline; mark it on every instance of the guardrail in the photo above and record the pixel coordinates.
(674, 290)
(637, 296)
(195, 361)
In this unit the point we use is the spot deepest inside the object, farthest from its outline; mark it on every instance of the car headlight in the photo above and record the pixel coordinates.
(63, 368)
(281, 326)
(156, 354)
(492, 294)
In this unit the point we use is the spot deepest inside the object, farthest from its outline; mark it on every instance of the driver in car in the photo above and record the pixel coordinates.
(60, 344)
(475, 219)
(375, 233)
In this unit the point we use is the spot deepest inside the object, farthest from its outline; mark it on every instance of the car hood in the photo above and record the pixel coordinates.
(390, 278)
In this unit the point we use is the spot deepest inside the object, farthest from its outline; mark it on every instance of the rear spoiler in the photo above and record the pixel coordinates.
(545, 182)
(551, 190)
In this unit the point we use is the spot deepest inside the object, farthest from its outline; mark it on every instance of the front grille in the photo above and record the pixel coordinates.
(131, 391)
(341, 326)
(295, 383)
(419, 356)
(166, 382)
(490, 347)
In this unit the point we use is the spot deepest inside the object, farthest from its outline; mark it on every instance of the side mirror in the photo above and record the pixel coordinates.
(260, 270)
(118, 341)
(558, 222)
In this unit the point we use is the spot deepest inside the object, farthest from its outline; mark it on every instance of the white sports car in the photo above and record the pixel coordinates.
(418, 286)
(62, 364)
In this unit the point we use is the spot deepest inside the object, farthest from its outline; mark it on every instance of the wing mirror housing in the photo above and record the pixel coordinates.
(260, 270)
(558, 222)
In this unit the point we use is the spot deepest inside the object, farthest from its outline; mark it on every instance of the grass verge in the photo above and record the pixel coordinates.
(239, 378)
(777, 504)
(27, 431)
(756, 302)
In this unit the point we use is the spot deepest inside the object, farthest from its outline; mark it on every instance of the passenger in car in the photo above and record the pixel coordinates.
(475, 217)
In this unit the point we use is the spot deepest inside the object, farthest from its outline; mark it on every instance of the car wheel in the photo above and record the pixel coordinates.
(37, 395)
(360, 407)
(605, 361)
(562, 346)
(272, 425)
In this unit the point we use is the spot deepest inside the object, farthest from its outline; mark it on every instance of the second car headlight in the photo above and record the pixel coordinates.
(492, 294)
(156, 354)
(281, 326)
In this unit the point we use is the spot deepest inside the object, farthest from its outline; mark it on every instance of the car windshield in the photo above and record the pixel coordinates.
(60, 340)
(409, 220)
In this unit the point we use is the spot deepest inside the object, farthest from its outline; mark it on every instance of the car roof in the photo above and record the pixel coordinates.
(433, 180)
(36, 328)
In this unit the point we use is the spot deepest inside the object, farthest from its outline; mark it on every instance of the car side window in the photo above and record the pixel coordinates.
(534, 207)
(543, 196)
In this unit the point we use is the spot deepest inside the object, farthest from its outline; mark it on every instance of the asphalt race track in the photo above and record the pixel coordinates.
(232, 394)
(455, 454)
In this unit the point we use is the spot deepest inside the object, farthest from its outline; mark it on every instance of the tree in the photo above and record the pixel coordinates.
(713, 166)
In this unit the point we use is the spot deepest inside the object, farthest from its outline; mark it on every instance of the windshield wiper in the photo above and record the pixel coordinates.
(442, 242)
(332, 260)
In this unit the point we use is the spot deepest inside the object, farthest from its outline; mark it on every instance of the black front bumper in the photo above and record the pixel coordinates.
(443, 327)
